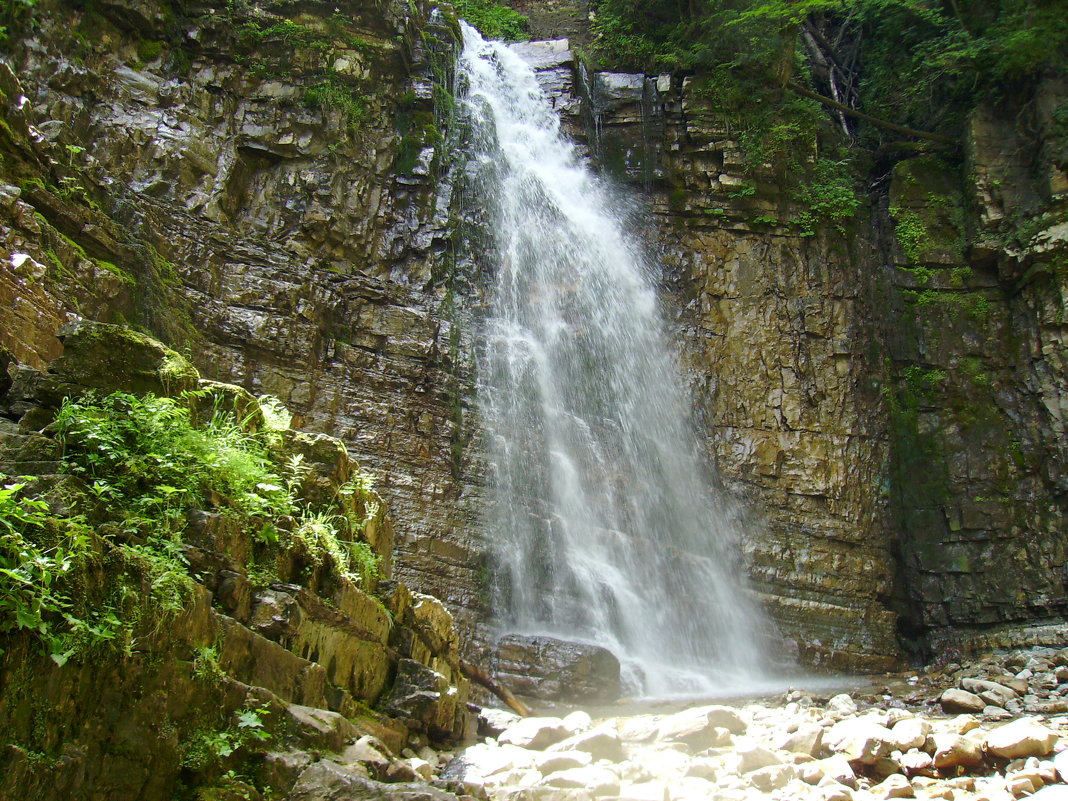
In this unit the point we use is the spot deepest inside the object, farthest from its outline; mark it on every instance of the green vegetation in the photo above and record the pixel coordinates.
(828, 199)
(333, 93)
(110, 573)
(769, 67)
(493, 20)
(208, 746)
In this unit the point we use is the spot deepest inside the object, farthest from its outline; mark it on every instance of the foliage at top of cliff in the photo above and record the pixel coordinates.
(493, 19)
(912, 62)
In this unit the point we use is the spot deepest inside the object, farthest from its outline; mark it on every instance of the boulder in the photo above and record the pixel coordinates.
(594, 779)
(702, 727)
(425, 700)
(860, 740)
(535, 733)
(909, 733)
(602, 743)
(1060, 764)
(837, 768)
(481, 761)
(557, 670)
(1021, 738)
(990, 691)
(551, 762)
(894, 786)
(110, 357)
(916, 762)
(842, 705)
(492, 722)
(954, 700)
(805, 739)
(751, 756)
(578, 721)
(772, 777)
(328, 781)
(951, 750)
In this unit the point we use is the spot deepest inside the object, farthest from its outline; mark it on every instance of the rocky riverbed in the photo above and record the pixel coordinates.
(994, 729)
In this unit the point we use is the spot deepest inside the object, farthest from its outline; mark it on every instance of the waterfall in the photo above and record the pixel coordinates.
(602, 528)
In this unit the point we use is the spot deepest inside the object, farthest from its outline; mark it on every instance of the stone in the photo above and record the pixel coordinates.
(916, 763)
(578, 721)
(954, 700)
(1020, 738)
(320, 727)
(551, 762)
(702, 727)
(842, 705)
(860, 740)
(909, 733)
(838, 769)
(805, 739)
(535, 733)
(996, 713)
(328, 781)
(1053, 792)
(364, 752)
(481, 761)
(492, 722)
(951, 750)
(602, 742)
(644, 791)
(690, 788)
(895, 786)
(112, 357)
(750, 755)
(596, 780)
(424, 698)
(991, 692)
(1060, 764)
(772, 777)
(557, 670)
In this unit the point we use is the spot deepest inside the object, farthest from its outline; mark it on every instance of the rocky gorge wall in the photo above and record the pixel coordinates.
(257, 187)
(266, 187)
(885, 398)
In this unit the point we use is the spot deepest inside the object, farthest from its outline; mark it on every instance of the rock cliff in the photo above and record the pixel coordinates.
(157, 651)
(266, 186)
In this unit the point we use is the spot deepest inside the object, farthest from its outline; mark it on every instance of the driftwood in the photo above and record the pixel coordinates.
(479, 676)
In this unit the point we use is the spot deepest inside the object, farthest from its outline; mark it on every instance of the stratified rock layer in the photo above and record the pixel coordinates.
(276, 200)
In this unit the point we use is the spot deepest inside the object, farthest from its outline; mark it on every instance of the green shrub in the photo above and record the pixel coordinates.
(493, 20)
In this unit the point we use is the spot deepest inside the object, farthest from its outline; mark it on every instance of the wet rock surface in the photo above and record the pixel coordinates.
(557, 670)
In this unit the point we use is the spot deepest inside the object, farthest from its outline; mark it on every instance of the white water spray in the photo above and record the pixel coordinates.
(602, 528)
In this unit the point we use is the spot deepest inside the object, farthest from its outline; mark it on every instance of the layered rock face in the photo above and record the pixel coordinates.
(268, 190)
(272, 638)
(885, 398)
(257, 188)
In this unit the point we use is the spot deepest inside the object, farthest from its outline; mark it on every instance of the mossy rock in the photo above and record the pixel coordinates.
(927, 205)
(229, 399)
(113, 358)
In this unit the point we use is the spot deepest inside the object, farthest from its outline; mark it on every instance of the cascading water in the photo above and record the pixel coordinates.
(602, 528)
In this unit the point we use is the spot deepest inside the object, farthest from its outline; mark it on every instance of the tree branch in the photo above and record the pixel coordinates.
(901, 129)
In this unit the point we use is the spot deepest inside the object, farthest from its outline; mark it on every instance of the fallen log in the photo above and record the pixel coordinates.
(479, 676)
(799, 89)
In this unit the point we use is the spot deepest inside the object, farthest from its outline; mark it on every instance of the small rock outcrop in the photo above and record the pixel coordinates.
(551, 669)
(226, 625)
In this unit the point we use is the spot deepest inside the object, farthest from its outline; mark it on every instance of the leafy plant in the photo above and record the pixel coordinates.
(208, 746)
